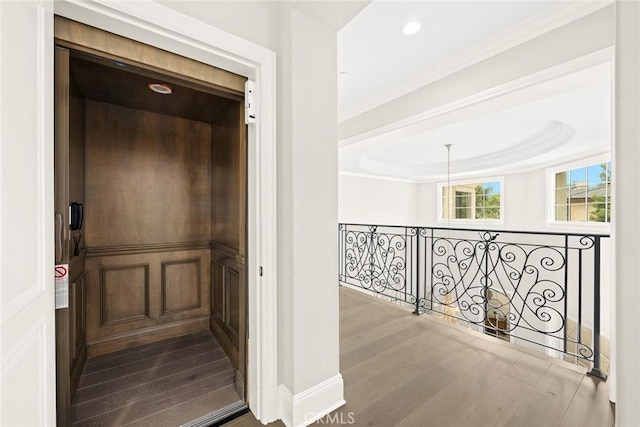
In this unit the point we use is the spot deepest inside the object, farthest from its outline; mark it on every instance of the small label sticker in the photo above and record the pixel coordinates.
(62, 285)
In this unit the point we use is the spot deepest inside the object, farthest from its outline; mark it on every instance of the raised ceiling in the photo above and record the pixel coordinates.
(542, 124)
(562, 117)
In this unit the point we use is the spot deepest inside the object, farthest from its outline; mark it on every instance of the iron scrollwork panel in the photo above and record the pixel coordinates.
(378, 259)
(514, 289)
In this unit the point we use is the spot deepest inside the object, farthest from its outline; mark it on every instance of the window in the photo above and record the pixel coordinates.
(583, 194)
(472, 201)
(463, 204)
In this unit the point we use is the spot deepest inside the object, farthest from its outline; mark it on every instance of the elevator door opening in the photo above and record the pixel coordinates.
(155, 327)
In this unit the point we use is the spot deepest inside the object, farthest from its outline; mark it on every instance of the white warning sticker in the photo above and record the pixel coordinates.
(62, 285)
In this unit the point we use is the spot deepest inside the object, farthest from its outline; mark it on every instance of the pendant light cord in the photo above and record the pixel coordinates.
(449, 186)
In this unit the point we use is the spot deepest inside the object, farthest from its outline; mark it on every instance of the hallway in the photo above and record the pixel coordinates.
(439, 374)
(403, 370)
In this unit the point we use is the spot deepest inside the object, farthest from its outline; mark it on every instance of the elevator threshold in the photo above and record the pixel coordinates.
(173, 382)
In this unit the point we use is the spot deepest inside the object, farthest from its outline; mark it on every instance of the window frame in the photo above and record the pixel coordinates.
(588, 226)
(470, 221)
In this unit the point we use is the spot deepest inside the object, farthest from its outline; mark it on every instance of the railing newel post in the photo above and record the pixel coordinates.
(417, 271)
(431, 272)
(566, 291)
(595, 371)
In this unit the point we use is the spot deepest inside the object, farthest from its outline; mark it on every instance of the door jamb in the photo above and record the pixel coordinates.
(154, 24)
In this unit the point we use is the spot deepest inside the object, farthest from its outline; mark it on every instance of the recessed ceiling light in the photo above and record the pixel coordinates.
(161, 88)
(411, 28)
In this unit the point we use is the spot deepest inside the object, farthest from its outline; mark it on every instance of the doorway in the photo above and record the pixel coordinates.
(157, 251)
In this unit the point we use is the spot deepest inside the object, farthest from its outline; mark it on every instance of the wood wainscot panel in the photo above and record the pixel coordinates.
(77, 304)
(181, 285)
(177, 285)
(225, 297)
(124, 293)
(232, 295)
(77, 319)
(217, 289)
(228, 308)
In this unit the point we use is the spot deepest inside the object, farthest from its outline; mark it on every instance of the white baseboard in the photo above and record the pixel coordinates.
(312, 404)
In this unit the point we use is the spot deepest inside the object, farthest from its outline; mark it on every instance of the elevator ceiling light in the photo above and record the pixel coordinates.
(411, 28)
(161, 88)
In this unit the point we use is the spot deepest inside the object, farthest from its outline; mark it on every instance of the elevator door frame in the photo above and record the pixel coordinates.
(158, 26)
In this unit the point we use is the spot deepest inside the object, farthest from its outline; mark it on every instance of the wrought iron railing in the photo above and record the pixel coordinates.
(526, 287)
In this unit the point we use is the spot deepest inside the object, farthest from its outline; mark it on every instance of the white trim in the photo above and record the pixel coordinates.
(472, 221)
(612, 249)
(577, 163)
(373, 176)
(285, 405)
(312, 404)
(572, 226)
(561, 15)
(587, 61)
(159, 26)
(506, 170)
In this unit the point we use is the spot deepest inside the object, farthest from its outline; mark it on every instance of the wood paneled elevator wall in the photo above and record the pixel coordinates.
(163, 183)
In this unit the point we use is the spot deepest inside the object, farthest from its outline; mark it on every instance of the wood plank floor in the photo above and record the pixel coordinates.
(166, 383)
(403, 370)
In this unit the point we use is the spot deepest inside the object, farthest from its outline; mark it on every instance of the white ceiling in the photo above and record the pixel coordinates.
(560, 120)
(376, 59)
(555, 121)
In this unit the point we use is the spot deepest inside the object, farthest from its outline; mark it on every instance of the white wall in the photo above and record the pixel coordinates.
(256, 21)
(314, 186)
(524, 197)
(364, 200)
(427, 204)
(627, 174)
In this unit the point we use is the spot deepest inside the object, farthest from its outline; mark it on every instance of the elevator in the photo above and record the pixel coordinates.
(150, 221)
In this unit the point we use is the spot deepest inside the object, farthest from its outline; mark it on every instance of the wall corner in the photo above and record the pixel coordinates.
(312, 404)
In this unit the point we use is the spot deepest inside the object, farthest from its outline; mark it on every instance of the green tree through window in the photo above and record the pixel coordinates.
(473, 201)
(602, 202)
(487, 202)
(583, 194)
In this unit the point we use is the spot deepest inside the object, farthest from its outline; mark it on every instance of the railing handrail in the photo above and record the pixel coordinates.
(498, 230)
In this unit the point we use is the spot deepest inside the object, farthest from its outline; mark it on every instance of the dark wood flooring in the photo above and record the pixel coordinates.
(167, 383)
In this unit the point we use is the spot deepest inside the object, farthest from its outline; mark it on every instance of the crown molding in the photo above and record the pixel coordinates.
(374, 176)
(561, 15)
(590, 60)
(565, 161)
